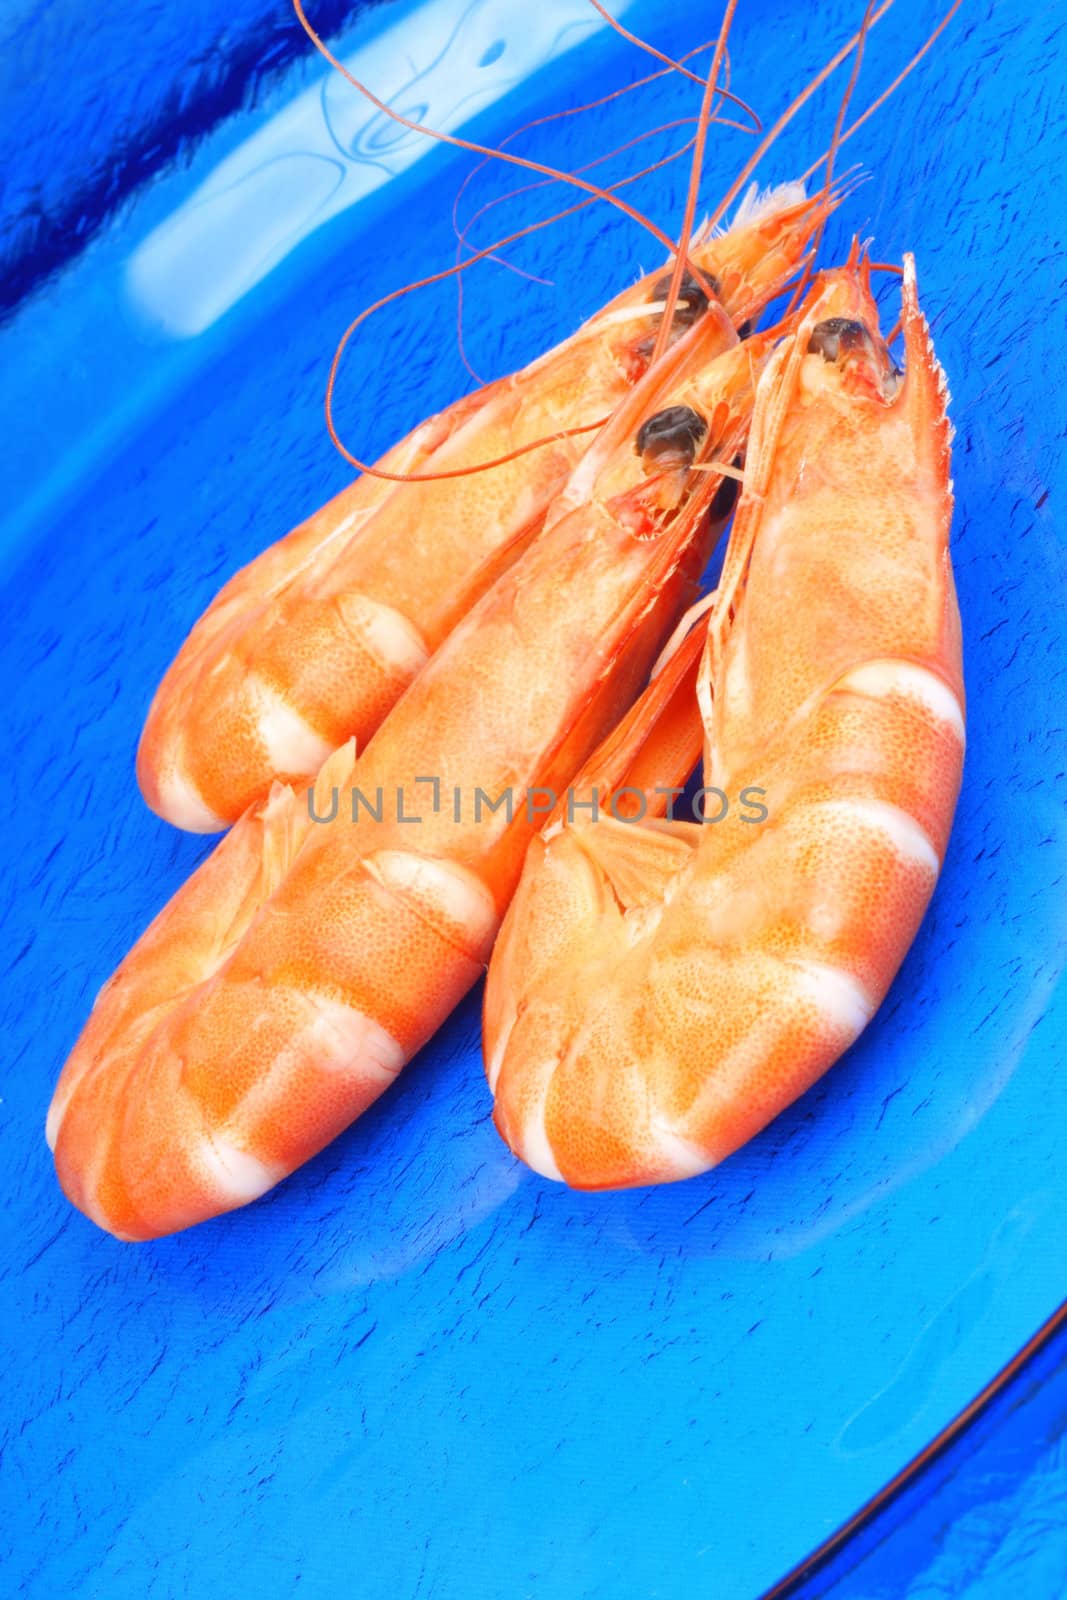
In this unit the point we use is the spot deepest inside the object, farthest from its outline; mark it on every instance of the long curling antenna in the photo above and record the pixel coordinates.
(672, 64)
(462, 233)
(481, 255)
(574, 111)
(595, 105)
(397, 294)
(468, 144)
(463, 241)
(831, 154)
(891, 89)
(695, 173)
(812, 87)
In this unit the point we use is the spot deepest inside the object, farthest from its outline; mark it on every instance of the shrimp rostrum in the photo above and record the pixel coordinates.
(661, 990)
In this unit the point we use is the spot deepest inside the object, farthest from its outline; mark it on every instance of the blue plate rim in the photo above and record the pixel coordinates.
(817, 1559)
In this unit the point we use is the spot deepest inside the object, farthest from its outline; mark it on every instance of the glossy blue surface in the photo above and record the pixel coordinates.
(417, 1369)
(987, 1520)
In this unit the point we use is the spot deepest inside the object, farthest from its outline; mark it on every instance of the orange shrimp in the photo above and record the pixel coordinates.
(317, 638)
(288, 981)
(660, 991)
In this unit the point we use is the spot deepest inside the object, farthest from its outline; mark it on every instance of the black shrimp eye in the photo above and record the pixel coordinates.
(725, 496)
(692, 299)
(832, 338)
(670, 438)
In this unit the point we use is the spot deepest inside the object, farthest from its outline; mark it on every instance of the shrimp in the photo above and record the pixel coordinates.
(285, 985)
(660, 991)
(317, 638)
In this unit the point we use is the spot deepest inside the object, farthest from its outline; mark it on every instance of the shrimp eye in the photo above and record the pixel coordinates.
(692, 300)
(837, 335)
(670, 438)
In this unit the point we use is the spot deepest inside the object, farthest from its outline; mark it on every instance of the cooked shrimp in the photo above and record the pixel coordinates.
(288, 981)
(316, 639)
(659, 992)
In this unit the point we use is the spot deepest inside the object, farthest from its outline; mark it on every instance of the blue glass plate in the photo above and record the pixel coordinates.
(978, 1515)
(416, 1369)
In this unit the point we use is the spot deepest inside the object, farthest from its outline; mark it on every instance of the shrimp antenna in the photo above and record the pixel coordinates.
(835, 143)
(812, 87)
(477, 149)
(558, 116)
(631, 177)
(397, 294)
(892, 88)
(695, 173)
(574, 111)
(673, 65)
(462, 233)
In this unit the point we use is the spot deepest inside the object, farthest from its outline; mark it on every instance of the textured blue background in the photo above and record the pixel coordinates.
(416, 1369)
